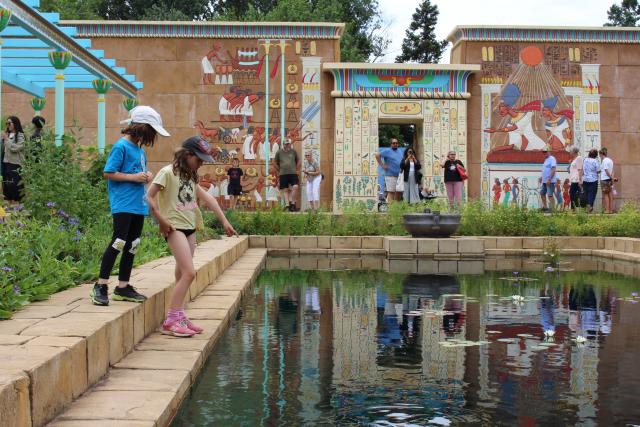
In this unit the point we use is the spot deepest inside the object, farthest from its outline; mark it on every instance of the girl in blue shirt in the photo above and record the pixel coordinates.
(126, 170)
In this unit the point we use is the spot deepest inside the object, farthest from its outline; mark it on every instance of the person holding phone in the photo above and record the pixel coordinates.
(410, 167)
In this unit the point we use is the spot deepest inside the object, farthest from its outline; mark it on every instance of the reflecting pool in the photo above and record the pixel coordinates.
(321, 348)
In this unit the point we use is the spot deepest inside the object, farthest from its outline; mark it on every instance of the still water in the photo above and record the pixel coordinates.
(321, 348)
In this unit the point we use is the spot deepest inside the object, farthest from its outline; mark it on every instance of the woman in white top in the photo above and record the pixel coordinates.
(575, 177)
(13, 143)
(311, 171)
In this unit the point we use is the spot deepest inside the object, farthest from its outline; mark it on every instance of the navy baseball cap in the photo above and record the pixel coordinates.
(200, 147)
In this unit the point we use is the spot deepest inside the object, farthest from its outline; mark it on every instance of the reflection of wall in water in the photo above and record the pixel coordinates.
(438, 362)
(354, 335)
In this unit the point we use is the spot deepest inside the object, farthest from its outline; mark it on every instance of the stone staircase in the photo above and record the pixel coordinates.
(55, 351)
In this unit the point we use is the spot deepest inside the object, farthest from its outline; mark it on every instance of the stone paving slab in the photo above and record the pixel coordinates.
(102, 423)
(15, 407)
(143, 405)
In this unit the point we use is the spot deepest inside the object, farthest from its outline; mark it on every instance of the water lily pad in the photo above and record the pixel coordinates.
(525, 336)
(494, 332)
(539, 347)
(548, 344)
(507, 340)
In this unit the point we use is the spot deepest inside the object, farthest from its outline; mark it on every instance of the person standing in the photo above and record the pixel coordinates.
(13, 156)
(576, 174)
(607, 179)
(173, 197)
(453, 182)
(410, 167)
(235, 186)
(389, 159)
(590, 168)
(126, 170)
(287, 163)
(311, 170)
(548, 180)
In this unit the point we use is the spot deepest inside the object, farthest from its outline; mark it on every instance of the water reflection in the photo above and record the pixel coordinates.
(352, 348)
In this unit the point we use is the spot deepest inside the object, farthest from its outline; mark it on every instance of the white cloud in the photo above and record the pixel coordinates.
(566, 13)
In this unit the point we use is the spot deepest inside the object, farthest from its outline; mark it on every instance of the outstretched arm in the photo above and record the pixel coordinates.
(213, 205)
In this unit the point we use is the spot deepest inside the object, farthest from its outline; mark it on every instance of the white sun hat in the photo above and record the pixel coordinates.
(146, 114)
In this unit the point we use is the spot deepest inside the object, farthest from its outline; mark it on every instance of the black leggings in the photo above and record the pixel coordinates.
(127, 229)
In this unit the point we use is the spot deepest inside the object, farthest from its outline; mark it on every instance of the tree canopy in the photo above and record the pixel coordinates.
(364, 39)
(420, 43)
(627, 14)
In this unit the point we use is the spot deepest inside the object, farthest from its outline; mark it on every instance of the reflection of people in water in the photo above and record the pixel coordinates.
(452, 323)
(582, 306)
(311, 300)
(547, 310)
(519, 127)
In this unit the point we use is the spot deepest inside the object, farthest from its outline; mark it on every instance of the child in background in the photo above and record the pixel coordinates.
(558, 194)
(126, 170)
(565, 194)
(496, 192)
(176, 210)
(235, 186)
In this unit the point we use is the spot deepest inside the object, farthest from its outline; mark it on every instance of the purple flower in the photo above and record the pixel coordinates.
(62, 214)
(18, 208)
(73, 221)
(634, 294)
(515, 273)
(51, 204)
(19, 224)
(7, 268)
(17, 290)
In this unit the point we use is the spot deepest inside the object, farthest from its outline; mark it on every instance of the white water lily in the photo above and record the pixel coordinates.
(549, 333)
(517, 298)
(580, 339)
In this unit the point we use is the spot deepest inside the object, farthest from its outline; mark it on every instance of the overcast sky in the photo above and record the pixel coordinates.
(570, 13)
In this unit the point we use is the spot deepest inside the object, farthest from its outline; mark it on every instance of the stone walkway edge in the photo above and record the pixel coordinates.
(53, 351)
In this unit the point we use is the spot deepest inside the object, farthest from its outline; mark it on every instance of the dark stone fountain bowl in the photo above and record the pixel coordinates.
(431, 224)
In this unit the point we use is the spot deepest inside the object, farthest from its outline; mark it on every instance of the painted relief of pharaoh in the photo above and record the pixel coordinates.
(532, 113)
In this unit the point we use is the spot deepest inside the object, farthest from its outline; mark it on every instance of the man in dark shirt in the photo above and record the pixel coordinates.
(287, 163)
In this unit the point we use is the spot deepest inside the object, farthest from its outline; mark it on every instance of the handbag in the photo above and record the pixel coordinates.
(462, 171)
(400, 183)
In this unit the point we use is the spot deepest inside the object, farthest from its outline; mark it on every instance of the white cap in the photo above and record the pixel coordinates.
(145, 114)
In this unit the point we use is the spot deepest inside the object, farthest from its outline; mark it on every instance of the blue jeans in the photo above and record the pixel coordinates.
(591, 188)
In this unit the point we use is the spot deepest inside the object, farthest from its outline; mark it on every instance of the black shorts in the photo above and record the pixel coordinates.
(287, 181)
(186, 233)
(234, 191)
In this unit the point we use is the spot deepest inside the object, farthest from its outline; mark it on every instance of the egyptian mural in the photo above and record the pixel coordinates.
(535, 97)
(366, 98)
(270, 91)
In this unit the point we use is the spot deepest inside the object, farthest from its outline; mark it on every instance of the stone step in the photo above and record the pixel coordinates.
(54, 350)
(148, 385)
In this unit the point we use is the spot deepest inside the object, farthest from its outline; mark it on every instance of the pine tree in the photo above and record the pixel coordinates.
(420, 43)
(625, 15)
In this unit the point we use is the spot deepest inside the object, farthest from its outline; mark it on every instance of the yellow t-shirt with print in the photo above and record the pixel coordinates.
(177, 200)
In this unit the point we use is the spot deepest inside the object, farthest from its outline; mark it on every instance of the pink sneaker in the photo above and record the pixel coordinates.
(194, 328)
(176, 328)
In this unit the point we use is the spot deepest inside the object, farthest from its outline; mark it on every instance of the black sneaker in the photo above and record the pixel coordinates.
(99, 294)
(128, 293)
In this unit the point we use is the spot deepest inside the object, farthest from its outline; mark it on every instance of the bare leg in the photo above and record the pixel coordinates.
(182, 248)
(294, 194)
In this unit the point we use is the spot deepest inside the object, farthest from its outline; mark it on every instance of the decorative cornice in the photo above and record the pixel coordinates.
(494, 33)
(208, 29)
(400, 80)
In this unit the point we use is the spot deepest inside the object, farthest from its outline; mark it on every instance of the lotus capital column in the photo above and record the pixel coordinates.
(101, 86)
(60, 61)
